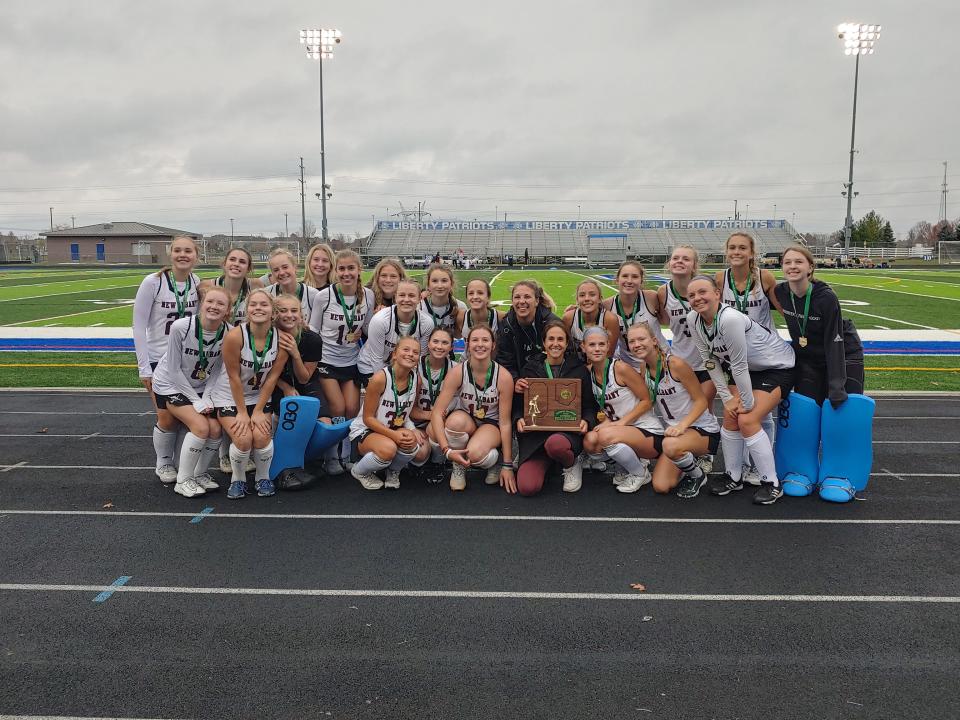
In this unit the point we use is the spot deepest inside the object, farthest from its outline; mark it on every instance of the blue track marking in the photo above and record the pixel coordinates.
(201, 515)
(119, 582)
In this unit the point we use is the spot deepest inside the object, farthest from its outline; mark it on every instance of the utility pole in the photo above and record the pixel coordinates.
(943, 194)
(286, 225)
(303, 203)
(73, 219)
(51, 218)
(231, 230)
(736, 215)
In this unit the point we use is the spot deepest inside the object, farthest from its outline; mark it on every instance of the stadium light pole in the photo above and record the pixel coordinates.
(319, 44)
(858, 39)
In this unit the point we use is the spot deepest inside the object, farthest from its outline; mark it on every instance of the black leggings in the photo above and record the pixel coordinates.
(811, 380)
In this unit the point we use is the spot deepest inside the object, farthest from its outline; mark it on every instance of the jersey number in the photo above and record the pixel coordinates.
(254, 382)
(666, 410)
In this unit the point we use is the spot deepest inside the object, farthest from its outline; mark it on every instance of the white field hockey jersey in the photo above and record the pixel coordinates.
(756, 304)
(682, 345)
(493, 320)
(180, 370)
(330, 322)
(425, 398)
(308, 299)
(674, 403)
(159, 302)
(578, 326)
(445, 316)
(220, 393)
(390, 406)
(383, 333)
(619, 400)
(640, 313)
(238, 309)
(470, 398)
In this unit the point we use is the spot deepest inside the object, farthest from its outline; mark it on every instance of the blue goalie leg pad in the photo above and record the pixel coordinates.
(847, 435)
(325, 436)
(797, 450)
(297, 417)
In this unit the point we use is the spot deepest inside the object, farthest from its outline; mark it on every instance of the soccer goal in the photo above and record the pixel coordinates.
(948, 252)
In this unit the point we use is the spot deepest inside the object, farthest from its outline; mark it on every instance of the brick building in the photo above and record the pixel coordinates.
(116, 242)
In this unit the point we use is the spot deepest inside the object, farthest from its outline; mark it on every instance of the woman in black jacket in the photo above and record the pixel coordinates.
(539, 449)
(829, 352)
(521, 330)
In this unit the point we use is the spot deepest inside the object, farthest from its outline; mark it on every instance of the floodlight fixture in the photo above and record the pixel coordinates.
(858, 39)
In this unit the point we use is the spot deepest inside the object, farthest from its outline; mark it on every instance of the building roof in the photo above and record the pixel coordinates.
(125, 229)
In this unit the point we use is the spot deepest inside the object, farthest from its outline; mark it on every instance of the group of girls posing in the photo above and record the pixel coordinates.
(642, 398)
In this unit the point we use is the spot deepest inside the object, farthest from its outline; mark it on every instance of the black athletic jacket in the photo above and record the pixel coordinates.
(832, 340)
(516, 342)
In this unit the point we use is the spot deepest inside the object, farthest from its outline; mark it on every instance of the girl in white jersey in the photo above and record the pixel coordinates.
(631, 305)
(283, 269)
(479, 311)
(627, 424)
(431, 372)
(341, 317)
(384, 436)
(193, 357)
(388, 325)
(692, 429)
(588, 311)
(236, 267)
(163, 298)
(253, 360)
(760, 364)
(439, 302)
(318, 269)
(386, 277)
(470, 434)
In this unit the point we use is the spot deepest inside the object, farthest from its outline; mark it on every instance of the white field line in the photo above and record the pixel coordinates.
(898, 292)
(481, 594)
(890, 319)
(55, 317)
(87, 281)
(74, 292)
(68, 717)
(592, 277)
(495, 278)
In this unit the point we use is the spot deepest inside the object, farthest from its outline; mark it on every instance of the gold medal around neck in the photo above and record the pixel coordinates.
(354, 336)
(480, 413)
(398, 421)
(710, 365)
(601, 416)
(201, 374)
(802, 341)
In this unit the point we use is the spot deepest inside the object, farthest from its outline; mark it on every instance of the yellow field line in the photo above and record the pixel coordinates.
(65, 365)
(911, 369)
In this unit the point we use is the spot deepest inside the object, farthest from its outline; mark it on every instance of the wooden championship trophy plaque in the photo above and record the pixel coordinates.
(552, 405)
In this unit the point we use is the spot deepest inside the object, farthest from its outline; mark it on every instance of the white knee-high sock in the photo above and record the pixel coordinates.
(370, 464)
(490, 460)
(624, 455)
(238, 461)
(164, 444)
(211, 449)
(189, 456)
(402, 459)
(768, 426)
(262, 457)
(762, 452)
(225, 447)
(733, 448)
(688, 465)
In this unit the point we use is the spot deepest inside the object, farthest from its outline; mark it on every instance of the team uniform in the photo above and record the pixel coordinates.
(308, 299)
(682, 345)
(578, 327)
(390, 409)
(444, 316)
(238, 313)
(429, 382)
(253, 371)
(493, 320)
(753, 302)
(754, 356)
(482, 405)
(383, 334)
(160, 302)
(673, 403)
(640, 313)
(619, 400)
(341, 321)
(182, 375)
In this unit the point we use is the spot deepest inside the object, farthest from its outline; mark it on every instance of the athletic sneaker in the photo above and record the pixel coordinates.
(237, 489)
(632, 483)
(369, 482)
(768, 494)
(225, 466)
(333, 467)
(265, 487)
(188, 488)
(750, 476)
(705, 463)
(573, 477)
(724, 485)
(493, 475)
(619, 475)
(207, 482)
(595, 463)
(458, 477)
(689, 486)
(393, 480)
(167, 474)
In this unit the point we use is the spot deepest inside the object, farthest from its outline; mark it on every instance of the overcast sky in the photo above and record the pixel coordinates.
(187, 114)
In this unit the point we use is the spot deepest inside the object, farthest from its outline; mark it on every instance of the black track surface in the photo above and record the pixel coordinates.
(187, 655)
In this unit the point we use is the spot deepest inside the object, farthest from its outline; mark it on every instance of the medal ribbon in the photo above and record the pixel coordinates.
(396, 322)
(259, 357)
(741, 300)
(490, 312)
(396, 394)
(433, 389)
(618, 306)
(179, 295)
(806, 310)
(673, 291)
(201, 342)
(486, 382)
(348, 313)
(601, 398)
(654, 385)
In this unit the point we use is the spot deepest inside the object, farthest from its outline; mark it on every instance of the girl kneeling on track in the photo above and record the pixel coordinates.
(303, 347)
(318, 269)
(538, 449)
(825, 367)
(388, 325)
(432, 371)
(193, 357)
(692, 430)
(760, 364)
(631, 305)
(162, 298)
(479, 311)
(386, 277)
(470, 435)
(589, 311)
(252, 360)
(628, 427)
(384, 436)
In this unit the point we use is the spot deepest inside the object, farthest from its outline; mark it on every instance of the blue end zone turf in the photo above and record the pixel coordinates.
(797, 449)
(298, 416)
(847, 436)
(325, 436)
